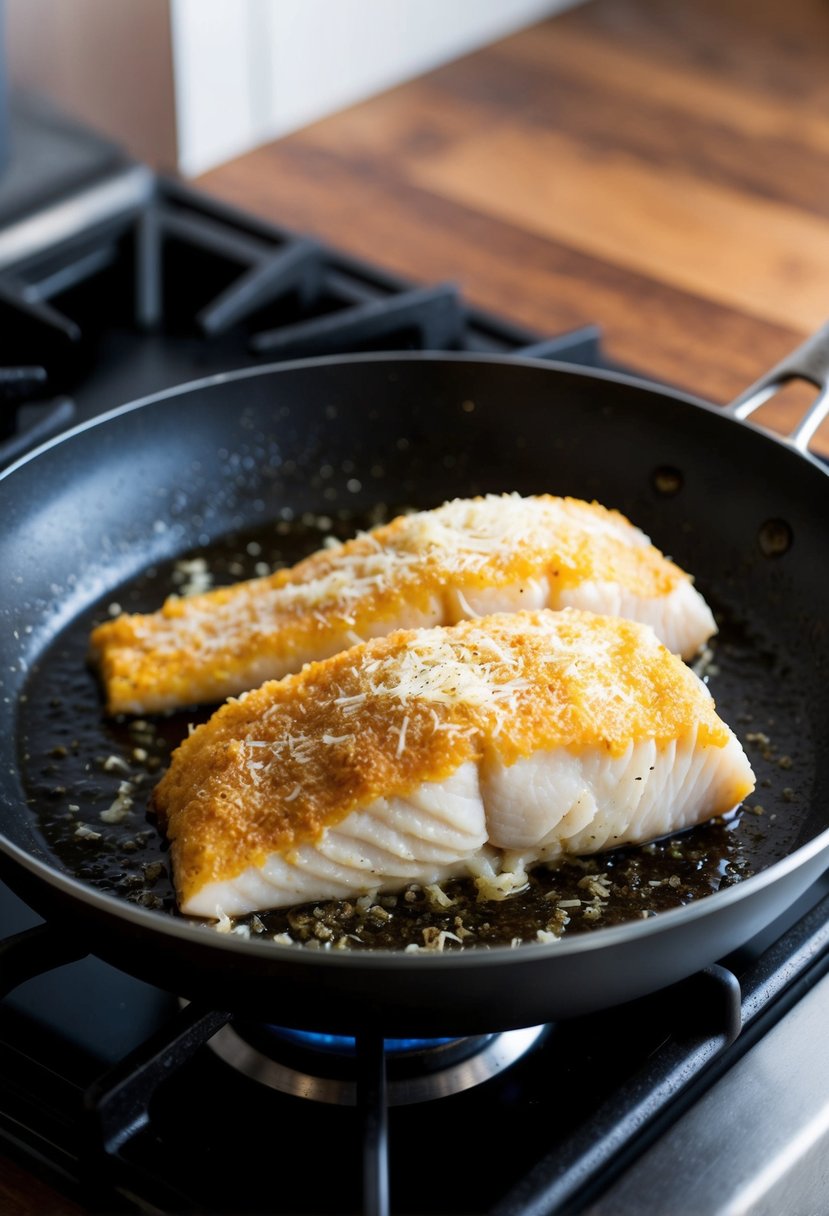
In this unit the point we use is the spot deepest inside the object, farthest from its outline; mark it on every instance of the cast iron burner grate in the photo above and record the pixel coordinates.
(162, 1121)
(174, 286)
(151, 286)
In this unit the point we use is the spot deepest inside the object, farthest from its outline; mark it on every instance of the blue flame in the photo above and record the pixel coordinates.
(341, 1044)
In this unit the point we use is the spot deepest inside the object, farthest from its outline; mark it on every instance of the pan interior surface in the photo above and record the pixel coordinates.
(232, 478)
(88, 779)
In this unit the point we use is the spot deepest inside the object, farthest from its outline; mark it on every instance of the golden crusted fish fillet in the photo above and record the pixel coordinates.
(477, 749)
(470, 557)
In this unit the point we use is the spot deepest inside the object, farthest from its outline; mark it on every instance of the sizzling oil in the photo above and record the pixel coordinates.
(88, 779)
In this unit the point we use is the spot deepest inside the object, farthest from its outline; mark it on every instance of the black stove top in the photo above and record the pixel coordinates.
(174, 287)
(132, 1101)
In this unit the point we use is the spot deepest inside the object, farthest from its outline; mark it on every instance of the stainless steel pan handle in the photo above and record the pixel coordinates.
(809, 362)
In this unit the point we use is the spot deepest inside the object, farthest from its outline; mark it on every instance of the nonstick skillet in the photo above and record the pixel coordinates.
(86, 514)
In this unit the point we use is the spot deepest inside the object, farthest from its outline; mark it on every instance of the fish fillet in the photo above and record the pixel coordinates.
(470, 557)
(475, 749)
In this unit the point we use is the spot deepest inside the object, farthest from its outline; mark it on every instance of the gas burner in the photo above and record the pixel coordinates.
(324, 1067)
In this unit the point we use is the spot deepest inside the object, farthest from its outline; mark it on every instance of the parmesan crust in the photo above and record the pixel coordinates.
(275, 769)
(469, 557)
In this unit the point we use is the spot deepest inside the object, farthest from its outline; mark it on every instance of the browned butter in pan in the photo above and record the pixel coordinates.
(88, 780)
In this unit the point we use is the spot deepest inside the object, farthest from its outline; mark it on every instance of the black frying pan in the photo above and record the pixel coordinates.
(744, 511)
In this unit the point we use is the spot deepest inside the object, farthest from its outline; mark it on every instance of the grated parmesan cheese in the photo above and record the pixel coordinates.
(276, 773)
(82, 832)
(121, 806)
(115, 764)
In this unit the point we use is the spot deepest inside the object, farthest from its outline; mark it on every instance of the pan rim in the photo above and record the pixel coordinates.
(454, 357)
(192, 931)
(575, 944)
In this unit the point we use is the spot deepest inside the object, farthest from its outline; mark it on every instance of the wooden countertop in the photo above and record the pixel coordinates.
(656, 168)
(659, 169)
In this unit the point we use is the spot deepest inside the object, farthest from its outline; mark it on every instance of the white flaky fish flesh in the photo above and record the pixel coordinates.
(479, 749)
(467, 558)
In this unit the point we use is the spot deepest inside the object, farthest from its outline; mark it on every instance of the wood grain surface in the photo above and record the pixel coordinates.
(658, 168)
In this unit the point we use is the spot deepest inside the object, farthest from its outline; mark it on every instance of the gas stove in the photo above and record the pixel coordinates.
(131, 1100)
(142, 283)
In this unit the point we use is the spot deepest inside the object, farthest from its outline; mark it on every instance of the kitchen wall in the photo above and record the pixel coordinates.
(188, 84)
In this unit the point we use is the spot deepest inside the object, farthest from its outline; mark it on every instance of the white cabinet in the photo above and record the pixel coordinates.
(196, 82)
(251, 70)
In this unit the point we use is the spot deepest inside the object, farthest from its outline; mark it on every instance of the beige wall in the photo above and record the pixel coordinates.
(106, 62)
